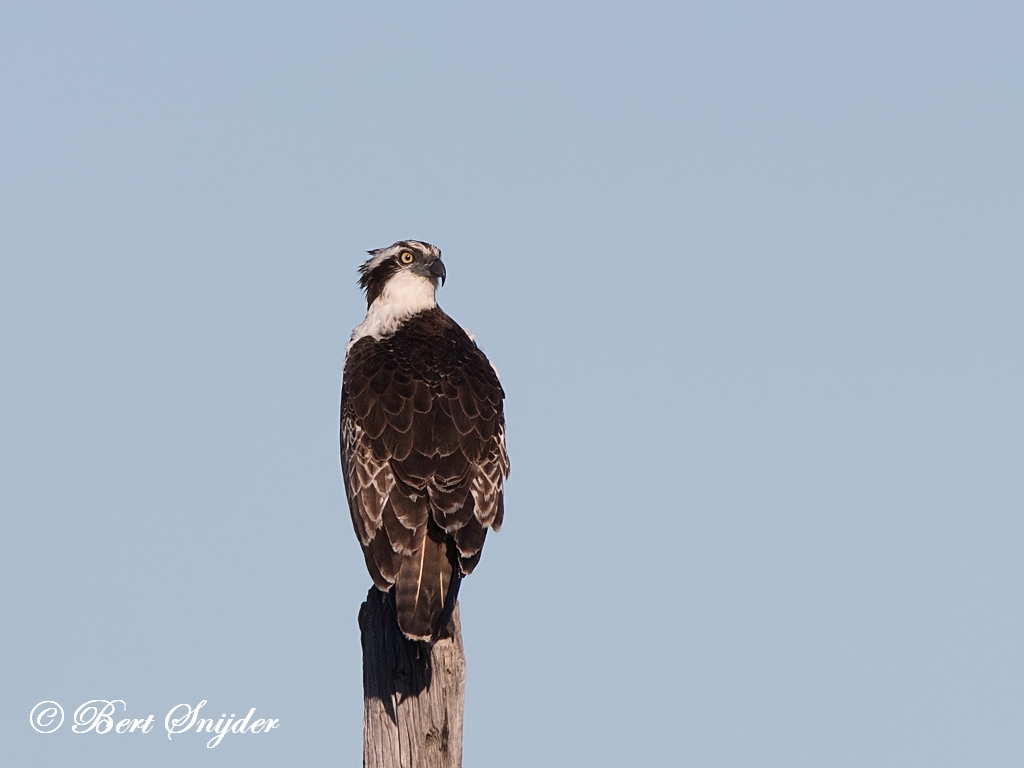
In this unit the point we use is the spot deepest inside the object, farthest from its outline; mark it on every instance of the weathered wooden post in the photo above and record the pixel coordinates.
(413, 692)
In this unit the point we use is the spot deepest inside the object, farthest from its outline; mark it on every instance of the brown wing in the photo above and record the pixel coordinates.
(424, 461)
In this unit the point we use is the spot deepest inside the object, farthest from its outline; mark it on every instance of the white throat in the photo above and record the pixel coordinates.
(405, 294)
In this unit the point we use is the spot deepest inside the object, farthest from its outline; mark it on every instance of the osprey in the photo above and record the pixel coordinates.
(422, 439)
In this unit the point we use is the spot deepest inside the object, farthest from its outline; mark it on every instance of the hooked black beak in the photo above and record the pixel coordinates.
(437, 270)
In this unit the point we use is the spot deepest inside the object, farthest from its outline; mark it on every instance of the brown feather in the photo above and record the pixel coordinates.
(410, 506)
(422, 585)
(470, 542)
(402, 539)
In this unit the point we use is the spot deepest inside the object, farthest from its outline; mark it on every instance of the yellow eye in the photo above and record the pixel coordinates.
(406, 257)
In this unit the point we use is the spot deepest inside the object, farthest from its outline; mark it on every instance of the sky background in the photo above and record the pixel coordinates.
(752, 274)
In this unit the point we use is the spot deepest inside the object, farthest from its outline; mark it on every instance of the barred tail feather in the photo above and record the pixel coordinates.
(427, 586)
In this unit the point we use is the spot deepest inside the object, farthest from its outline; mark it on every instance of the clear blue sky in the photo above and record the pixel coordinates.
(752, 275)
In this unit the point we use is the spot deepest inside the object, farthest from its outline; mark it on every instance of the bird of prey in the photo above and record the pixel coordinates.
(422, 439)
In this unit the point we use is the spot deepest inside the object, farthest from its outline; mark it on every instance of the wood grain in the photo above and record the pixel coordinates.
(413, 692)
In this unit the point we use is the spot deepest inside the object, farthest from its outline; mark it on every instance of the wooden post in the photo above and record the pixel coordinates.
(412, 692)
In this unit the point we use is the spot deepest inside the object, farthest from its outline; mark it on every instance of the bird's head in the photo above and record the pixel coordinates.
(404, 272)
